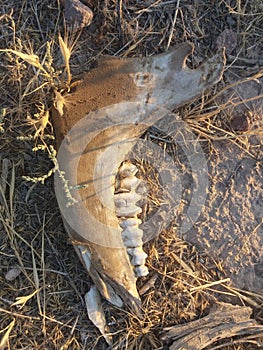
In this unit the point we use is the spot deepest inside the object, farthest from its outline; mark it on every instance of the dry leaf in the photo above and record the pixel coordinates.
(43, 123)
(31, 59)
(66, 53)
(59, 102)
(21, 301)
(5, 338)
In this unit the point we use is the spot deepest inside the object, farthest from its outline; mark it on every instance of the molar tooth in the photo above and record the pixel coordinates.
(141, 271)
(129, 182)
(132, 242)
(138, 256)
(127, 210)
(129, 222)
(132, 232)
(127, 169)
(130, 211)
(125, 204)
(126, 199)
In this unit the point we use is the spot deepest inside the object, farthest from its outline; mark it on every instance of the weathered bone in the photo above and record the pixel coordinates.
(162, 80)
(96, 312)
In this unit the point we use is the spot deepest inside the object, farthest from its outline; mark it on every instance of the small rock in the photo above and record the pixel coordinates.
(12, 274)
(240, 122)
(228, 40)
(77, 15)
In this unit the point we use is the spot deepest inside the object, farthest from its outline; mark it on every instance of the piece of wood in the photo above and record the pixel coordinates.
(224, 321)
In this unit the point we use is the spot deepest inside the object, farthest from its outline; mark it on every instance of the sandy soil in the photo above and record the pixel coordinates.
(230, 225)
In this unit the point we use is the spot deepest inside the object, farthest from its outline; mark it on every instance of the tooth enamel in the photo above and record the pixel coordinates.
(138, 256)
(126, 199)
(130, 222)
(132, 242)
(141, 271)
(130, 191)
(130, 232)
(128, 212)
(129, 182)
(127, 169)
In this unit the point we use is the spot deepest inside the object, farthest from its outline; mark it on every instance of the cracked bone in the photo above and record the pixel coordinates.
(116, 102)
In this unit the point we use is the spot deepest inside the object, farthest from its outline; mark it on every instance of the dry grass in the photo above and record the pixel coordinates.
(42, 308)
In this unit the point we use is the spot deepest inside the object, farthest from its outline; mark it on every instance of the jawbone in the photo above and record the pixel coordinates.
(112, 106)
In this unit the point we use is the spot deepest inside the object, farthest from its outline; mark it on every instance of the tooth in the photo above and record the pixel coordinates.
(130, 232)
(125, 204)
(128, 169)
(126, 199)
(138, 256)
(130, 222)
(130, 211)
(129, 182)
(141, 271)
(132, 242)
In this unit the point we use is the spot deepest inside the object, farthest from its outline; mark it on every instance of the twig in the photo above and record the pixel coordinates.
(18, 315)
(248, 61)
(173, 25)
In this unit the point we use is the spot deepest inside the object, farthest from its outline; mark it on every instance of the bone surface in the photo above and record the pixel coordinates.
(112, 106)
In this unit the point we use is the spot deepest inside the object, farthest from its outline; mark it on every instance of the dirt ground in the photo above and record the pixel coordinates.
(220, 258)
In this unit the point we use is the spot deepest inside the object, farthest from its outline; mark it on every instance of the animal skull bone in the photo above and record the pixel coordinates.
(116, 103)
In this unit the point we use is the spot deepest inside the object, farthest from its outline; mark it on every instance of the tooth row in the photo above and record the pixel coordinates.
(129, 191)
